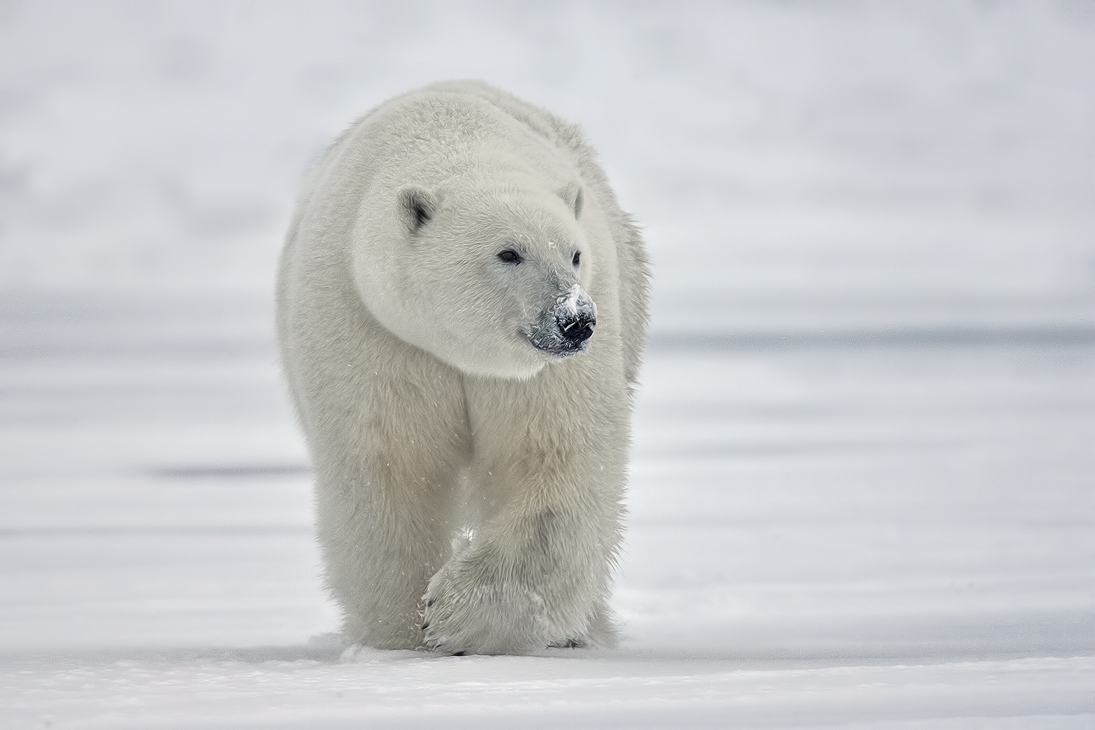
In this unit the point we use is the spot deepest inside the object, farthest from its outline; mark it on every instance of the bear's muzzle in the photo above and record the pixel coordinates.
(565, 328)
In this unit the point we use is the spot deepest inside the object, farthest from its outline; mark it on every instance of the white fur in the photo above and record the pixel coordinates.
(466, 481)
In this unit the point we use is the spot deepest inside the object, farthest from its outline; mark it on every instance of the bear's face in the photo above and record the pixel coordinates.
(492, 282)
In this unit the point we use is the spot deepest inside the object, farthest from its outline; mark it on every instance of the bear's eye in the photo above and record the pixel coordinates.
(577, 258)
(510, 256)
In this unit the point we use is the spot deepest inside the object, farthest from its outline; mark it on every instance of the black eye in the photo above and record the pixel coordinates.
(577, 258)
(510, 256)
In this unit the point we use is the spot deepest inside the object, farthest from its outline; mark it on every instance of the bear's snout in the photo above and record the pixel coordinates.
(565, 328)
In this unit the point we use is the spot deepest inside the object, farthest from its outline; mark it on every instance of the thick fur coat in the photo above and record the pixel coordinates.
(461, 308)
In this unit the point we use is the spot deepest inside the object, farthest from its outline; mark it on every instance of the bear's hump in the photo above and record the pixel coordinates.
(475, 104)
(429, 132)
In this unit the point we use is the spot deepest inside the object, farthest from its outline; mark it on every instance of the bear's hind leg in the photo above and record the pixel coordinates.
(600, 631)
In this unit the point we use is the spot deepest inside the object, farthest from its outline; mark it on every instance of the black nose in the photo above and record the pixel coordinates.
(577, 327)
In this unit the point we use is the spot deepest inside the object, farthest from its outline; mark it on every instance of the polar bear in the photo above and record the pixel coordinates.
(461, 307)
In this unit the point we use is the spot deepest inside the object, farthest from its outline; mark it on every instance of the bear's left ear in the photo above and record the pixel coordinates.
(573, 196)
(417, 206)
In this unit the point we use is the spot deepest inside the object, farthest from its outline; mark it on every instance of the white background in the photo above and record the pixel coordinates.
(864, 457)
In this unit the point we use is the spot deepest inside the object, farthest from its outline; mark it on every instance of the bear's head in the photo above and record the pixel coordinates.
(489, 279)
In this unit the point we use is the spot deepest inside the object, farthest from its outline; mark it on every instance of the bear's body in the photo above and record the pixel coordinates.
(450, 253)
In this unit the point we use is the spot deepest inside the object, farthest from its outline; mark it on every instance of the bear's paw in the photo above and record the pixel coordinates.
(469, 609)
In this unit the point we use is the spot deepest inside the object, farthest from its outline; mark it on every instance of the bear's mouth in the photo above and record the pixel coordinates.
(554, 343)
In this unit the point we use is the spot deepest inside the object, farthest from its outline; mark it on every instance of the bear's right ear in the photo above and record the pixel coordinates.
(416, 206)
(573, 197)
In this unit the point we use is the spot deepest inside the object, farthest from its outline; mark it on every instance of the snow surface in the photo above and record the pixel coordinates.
(863, 466)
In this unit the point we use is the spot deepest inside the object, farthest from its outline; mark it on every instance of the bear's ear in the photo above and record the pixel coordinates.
(416, 206)
(573, 196)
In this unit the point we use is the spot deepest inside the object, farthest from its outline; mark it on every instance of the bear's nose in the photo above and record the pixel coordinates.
(576, 326)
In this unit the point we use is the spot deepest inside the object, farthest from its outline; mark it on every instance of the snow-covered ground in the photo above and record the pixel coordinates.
(863, 477)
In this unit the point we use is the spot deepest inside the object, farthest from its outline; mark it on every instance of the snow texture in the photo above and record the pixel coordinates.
(861, 484)
(567, 303)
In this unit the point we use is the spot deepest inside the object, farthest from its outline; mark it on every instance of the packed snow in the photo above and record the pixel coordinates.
(863, 473)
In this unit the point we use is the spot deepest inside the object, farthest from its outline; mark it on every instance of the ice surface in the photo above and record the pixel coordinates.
(863, 468)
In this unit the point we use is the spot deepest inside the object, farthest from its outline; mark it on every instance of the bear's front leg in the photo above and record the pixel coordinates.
(519, 590)
(547, 479)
